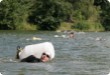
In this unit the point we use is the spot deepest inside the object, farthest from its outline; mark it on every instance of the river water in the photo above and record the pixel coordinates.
(85, 54)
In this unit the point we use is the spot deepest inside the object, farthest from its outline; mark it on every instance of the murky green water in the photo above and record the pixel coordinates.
(83, 55)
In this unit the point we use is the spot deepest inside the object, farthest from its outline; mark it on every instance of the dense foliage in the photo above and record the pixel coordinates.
(89, 15)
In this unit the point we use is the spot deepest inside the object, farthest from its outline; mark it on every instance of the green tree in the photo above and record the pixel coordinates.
(50, 13)
(14, 13)
(105, 13)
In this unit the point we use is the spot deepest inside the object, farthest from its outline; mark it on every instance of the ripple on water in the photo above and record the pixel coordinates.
(82, 55)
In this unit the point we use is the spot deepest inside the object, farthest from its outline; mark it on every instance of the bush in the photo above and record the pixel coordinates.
(88, 26)
(65, 26)
(26, 27)
(49, 23)
(81, 26)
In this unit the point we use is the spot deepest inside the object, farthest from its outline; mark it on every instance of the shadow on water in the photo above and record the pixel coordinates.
(82, 55)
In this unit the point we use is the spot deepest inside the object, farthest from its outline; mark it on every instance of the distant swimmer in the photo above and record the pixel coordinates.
(41, 52)
(71, 35)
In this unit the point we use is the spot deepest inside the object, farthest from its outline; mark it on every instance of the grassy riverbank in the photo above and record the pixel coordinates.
(81, 26)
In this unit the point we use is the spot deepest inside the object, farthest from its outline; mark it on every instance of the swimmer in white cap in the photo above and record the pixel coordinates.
(41, 52)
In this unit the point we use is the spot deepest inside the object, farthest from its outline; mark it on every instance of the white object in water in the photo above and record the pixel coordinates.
(108, 74)
(98, 38)
(35, 38)
(64, 36)
(1, 74)
(37, 50)
(56, 36)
